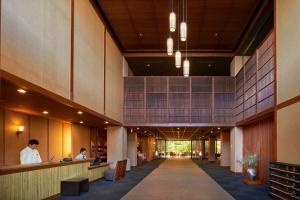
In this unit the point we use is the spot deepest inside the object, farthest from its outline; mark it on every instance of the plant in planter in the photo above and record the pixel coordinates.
(250, 162)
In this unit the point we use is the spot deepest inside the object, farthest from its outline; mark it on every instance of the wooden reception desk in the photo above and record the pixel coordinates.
(41, 181)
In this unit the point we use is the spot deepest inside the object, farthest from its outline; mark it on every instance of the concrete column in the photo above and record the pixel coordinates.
(211, 149)
(225, 148)
(236, 149)
(132, 141)
(203, 148)
(116, 144)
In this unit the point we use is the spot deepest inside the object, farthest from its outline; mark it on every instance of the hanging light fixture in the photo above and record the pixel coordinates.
(183, 31)
(172, 19)
(186, 67)
(170, 46)
(186, 62)
(183, 26)
(178, 59)
(178, 53)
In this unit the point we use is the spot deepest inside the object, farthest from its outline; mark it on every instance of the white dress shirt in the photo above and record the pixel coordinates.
(30, 156)
(80, 157)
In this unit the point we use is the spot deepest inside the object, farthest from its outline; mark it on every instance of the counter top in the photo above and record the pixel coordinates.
(23, 168)
(99, 165)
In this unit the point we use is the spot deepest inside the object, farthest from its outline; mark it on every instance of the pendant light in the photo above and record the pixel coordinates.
(183, 31)
(178, 59)
(183, 26)
(186, 67)
(170, 46)
(178, 53)
(170, 39)
(186, 62)
(172, 20)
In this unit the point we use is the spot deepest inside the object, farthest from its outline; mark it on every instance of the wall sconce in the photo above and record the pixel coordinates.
(20, 129)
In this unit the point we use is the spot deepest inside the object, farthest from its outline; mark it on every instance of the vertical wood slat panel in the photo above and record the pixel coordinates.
(257, 138)
(254, 84)
(178, 99)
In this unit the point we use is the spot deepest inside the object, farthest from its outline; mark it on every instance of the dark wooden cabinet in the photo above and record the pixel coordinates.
(284, 181)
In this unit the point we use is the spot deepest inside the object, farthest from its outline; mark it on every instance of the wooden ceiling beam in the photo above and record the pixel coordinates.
(190, 54)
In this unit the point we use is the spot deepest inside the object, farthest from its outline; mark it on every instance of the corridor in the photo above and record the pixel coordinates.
(177, 179)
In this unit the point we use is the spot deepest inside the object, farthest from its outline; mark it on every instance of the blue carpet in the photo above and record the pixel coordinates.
(233, 184)
(108, 190)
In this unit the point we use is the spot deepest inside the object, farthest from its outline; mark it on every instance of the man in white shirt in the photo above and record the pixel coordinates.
(30, 155)
(81, 155)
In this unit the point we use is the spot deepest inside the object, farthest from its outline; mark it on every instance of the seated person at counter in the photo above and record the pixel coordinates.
(30, 155)
(81, 155)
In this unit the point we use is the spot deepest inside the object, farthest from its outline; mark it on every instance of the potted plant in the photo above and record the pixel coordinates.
(250, 162)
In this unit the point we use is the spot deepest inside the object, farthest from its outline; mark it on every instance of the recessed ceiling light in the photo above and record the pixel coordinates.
(219, 128)
(81, 122)
(148, 65)
(138, 128)
(216, 34)
(80, 112)
(106, 122)
(209, 65)
(45, 112)
(212, 132)
(141, 34)
(22, 91)
(178, 128)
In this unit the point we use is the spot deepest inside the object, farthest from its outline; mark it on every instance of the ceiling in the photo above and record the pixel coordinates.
(178, 133)
(218, 26)
(164, 66)
(34, 103)
(213, 25)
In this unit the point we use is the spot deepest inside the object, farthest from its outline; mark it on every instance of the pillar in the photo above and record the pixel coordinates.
(132, 141)
(225, 148)
(203, 148)
(211, 149)
(116, 144)
(236, 149)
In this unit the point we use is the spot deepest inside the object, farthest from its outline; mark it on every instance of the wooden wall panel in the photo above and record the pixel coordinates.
(67, 140)
(1, 136)
(39, 130)
(55, 140)
(15, 143)
(113, 80)
(257, 138)
(88, 57)
(35, 42)
(80, 138)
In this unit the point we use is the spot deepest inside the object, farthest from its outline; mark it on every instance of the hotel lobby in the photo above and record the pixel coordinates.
(152, 100)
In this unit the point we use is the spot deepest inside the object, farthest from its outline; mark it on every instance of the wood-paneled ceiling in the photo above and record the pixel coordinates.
(213, 25)
(178, 133)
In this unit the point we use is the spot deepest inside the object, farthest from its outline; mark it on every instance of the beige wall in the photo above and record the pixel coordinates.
(288, 137)
(288, 84)
(88, 57)
(55, 137)
(225, 148)
(35, 42)
(36, 46)
(287, 49)
(113, 81)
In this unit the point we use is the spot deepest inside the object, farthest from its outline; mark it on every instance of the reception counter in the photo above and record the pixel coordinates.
(41, 181)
